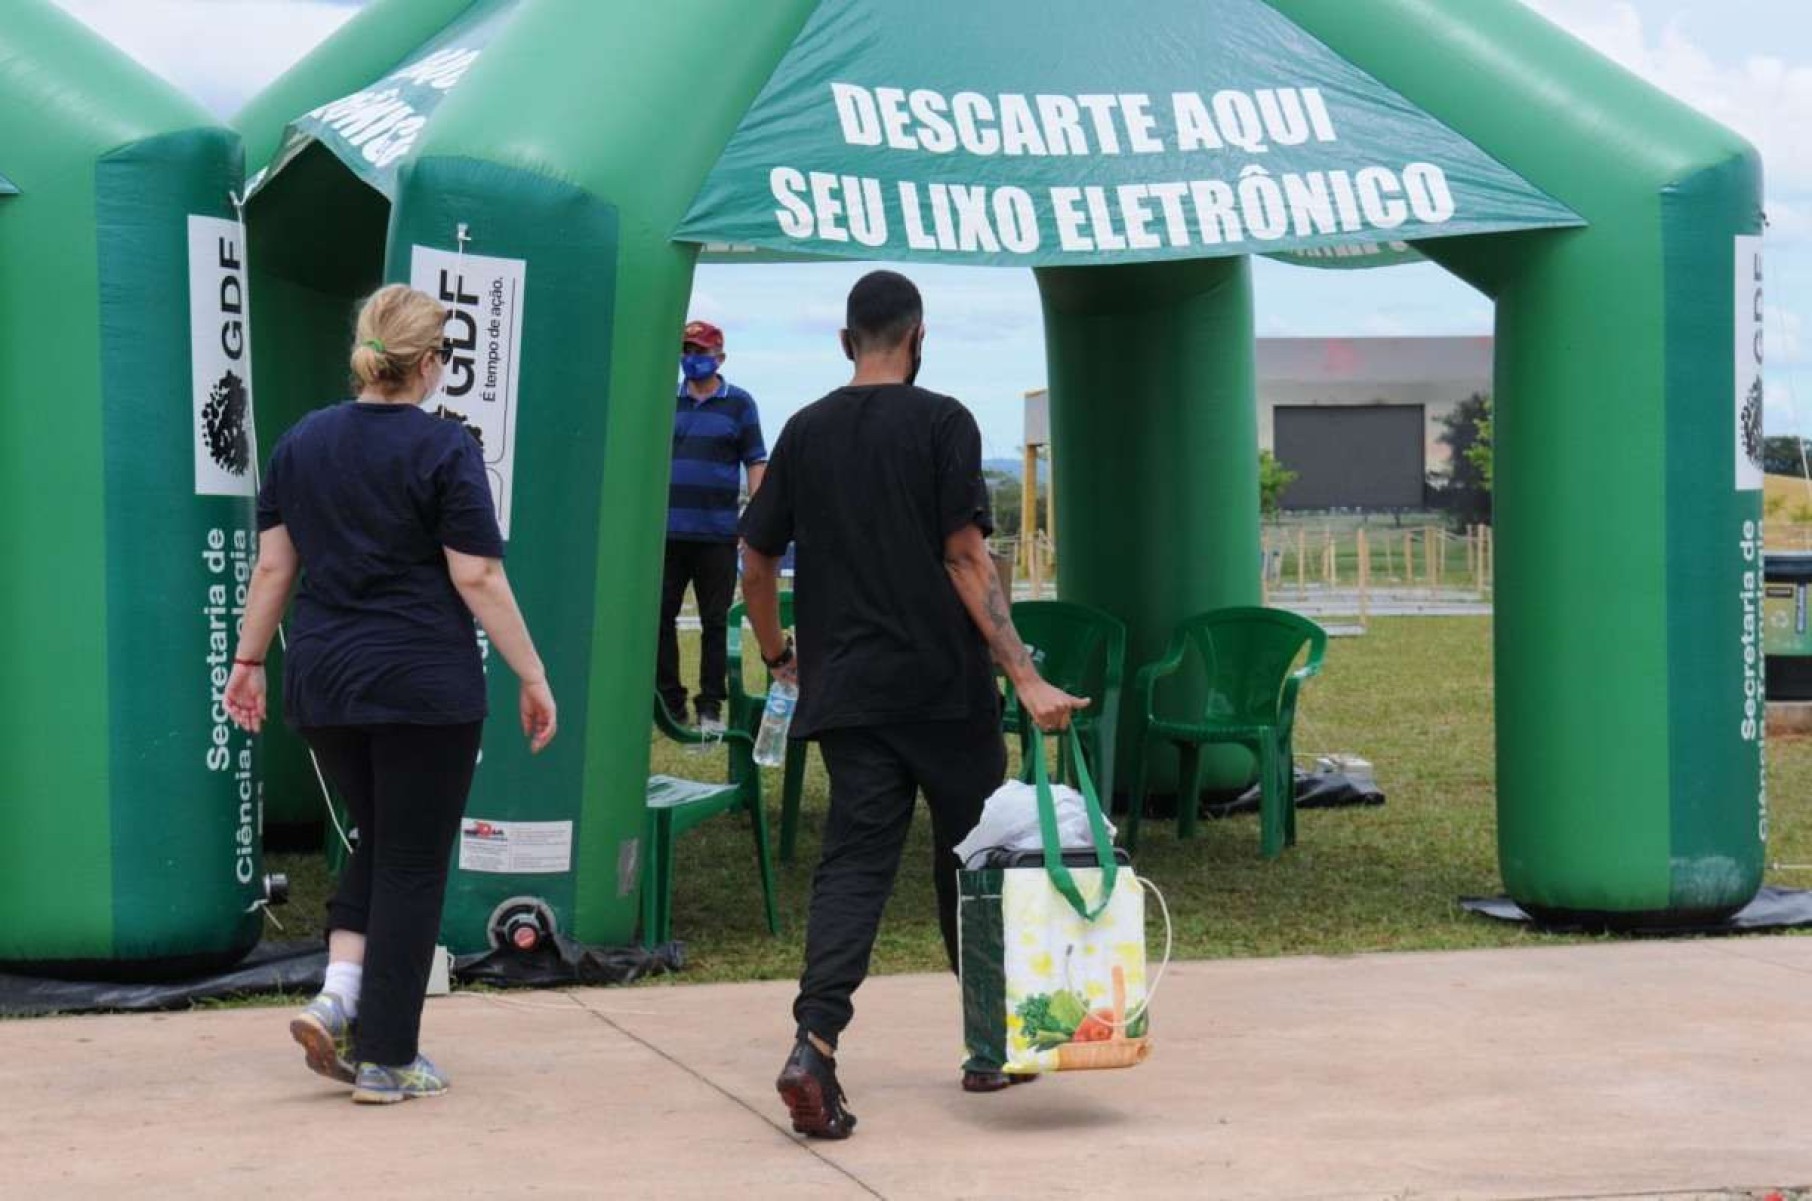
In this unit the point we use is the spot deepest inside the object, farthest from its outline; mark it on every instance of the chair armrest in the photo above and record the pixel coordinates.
(1313, 666)
(1286, 709)
(1145, 684)
(733, 655)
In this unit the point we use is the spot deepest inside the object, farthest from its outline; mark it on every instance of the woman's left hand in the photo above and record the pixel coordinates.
(245, 697)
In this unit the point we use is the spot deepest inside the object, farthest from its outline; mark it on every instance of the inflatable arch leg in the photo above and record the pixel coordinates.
(129, 800)
(519, 190)
(1154, 418)
(1629, 745)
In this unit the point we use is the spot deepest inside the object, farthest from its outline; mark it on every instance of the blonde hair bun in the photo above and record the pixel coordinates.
(397, 327)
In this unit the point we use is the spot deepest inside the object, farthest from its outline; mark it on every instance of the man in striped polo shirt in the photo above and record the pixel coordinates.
(716, 434)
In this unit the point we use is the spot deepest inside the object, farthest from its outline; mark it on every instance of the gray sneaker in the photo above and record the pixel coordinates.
(325, 1033)
(379, 1085)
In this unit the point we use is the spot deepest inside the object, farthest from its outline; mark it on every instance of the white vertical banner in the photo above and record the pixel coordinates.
(1748, 363)
(220, 357)
(483, 296)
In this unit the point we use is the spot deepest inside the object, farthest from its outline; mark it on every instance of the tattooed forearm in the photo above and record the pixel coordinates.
(1003, 639)
(977, 584)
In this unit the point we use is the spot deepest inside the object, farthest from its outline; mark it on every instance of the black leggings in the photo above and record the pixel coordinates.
(406, 789)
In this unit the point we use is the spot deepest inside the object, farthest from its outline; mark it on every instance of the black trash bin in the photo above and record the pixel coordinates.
(1787, 576)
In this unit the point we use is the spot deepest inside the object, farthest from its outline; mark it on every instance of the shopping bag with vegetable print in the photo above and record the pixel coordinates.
(1053, 956)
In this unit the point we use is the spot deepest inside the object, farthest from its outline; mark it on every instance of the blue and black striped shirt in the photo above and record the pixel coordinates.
(713, 440)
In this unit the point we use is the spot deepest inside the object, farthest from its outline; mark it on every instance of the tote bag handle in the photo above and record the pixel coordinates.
(1054, 866)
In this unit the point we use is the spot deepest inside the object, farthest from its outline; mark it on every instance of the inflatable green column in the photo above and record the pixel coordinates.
(576, 146)
(317, 245)
(537, 200)
(1628, 502)
(130, 802)
(1155, 428)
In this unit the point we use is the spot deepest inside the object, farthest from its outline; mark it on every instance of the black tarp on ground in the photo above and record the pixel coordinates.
(1314, 790)
(1772, 909)
(561, 961)
(297, 968)
(270, 967)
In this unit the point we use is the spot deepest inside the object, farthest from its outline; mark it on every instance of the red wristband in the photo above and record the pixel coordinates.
(249, 662)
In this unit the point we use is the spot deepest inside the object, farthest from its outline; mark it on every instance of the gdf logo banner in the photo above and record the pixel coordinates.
(483, 296)
(220, 354)
(1748, 363)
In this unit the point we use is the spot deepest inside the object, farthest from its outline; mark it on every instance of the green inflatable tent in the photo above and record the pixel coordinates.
(130, 803)
(554, 170)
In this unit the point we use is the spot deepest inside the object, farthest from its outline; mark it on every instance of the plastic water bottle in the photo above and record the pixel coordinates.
(776, 719)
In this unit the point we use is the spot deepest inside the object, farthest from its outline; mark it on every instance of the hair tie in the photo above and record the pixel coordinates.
(376, 344)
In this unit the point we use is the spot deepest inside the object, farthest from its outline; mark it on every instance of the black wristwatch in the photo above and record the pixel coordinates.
(785, 657)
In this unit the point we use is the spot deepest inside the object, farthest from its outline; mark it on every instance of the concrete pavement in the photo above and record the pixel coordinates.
(1616, 1069)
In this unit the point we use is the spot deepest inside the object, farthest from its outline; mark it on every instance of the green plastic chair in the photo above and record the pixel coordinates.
(745, 714)
(1082, 651)
(1247, 654)
(675, 806)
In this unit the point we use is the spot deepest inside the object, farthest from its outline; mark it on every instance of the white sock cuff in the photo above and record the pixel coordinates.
(344, 981)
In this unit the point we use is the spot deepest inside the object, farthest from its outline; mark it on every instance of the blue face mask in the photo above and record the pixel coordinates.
(698, 367)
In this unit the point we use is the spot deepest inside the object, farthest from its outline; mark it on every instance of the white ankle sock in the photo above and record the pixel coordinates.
(344, 980)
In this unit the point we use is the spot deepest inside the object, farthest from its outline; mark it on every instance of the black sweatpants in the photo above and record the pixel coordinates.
(406, 789)
(710, 567)
(875, 776)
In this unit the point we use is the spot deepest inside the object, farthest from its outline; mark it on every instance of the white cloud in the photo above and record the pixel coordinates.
(222, 54)
(1766, 98)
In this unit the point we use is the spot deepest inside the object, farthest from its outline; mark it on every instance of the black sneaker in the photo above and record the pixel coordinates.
(808, 1085)
(993, 1082)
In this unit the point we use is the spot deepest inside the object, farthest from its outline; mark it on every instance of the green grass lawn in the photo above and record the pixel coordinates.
(1413, 696)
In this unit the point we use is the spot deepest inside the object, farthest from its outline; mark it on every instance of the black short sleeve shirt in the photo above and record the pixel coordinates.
(372, 495)
(868, 482)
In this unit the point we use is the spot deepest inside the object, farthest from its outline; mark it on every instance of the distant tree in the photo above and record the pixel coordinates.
(1785, 455)
(1273, 478)
(1464, 489)
(1004, 493)
(1479, 453)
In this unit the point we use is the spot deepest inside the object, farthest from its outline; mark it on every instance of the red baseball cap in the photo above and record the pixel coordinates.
(703, 333)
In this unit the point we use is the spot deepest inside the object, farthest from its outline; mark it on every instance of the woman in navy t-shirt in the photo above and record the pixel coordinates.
(386, 514)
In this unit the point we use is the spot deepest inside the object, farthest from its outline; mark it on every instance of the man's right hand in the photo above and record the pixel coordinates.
(1050, 707)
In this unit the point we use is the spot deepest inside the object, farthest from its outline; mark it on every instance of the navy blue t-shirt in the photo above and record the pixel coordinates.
(370, 495)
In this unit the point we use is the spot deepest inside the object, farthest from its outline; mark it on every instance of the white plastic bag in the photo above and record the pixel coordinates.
(1009, 821)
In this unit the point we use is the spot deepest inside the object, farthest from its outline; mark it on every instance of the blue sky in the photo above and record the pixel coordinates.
(1747, 63)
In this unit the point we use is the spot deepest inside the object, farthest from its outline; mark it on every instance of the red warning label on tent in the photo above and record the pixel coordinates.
(515, 847)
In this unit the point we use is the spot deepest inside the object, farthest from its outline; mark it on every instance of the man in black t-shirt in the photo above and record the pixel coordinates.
(900, 617)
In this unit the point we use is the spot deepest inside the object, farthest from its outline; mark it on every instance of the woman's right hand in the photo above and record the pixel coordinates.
(245, 696)
(539, 714)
